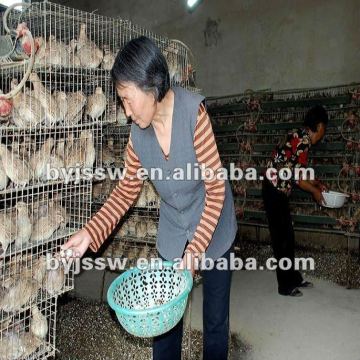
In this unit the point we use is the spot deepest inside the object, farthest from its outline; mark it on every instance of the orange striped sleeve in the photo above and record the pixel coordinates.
(208, 155)
(118, 203)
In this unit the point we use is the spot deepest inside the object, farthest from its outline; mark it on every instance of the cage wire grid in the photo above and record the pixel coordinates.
(59, 119)
(246, 136)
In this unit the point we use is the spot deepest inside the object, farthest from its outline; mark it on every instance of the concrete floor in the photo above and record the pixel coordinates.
(323, 324)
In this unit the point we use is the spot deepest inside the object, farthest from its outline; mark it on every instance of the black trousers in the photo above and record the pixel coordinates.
(282, 235)
(216, 304)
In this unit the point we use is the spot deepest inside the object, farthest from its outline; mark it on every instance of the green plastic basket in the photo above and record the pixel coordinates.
(150, 301)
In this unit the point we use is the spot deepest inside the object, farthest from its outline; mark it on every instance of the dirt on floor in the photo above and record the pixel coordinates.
(335, 266)
(90, 331)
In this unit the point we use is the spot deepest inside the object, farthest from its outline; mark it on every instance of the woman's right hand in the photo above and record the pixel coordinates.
(78, 243)
(318, 196)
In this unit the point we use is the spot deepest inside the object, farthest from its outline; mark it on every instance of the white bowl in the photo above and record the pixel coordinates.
(334, 199)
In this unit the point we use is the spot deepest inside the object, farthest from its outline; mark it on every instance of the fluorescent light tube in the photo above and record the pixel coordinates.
(191, 3)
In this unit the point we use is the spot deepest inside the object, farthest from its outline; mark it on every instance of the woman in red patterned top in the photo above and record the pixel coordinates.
(291, 155)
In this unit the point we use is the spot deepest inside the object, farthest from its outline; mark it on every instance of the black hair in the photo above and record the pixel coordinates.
(140, 61)
(315, 116)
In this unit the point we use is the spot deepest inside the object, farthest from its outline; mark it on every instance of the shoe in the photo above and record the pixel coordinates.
(294, 292)
(306, 284)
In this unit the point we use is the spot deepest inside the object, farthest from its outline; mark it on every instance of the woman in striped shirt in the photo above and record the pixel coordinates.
(196, 217)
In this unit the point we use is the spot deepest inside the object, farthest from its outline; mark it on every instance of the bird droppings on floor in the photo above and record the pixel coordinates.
(90, 331)
(329, 265)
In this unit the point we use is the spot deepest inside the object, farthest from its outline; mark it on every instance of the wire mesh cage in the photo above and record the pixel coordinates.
(122, 254)
(114, 140)
(315, 92)
(133, 238)
(52, 138)
(251, 101)
(70, 82)
(36, 221)
(31, 336)
(247, 139)
(50, 100)
(30, 160)
(37, 225)
(67, 37)
(179, 57)
(137, 231)
(80, 42)
(35, 216)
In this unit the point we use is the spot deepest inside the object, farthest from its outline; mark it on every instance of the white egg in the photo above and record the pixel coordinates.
(69, 253)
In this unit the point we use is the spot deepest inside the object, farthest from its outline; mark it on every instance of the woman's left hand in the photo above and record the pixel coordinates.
(323, 187)
(318, 196)
(188, 262)
(317, 183)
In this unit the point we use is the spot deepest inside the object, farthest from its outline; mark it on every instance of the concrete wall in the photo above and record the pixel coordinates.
(241, 44)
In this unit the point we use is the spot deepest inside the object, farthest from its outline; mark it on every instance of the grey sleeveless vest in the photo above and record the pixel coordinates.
(182, 201)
